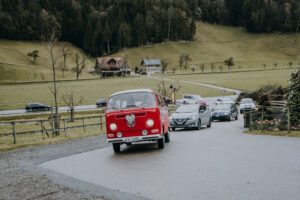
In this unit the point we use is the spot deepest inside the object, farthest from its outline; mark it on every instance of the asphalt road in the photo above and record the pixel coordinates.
(216, 163)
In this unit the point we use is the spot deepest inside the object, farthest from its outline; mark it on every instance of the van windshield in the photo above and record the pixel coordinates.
(131, 100)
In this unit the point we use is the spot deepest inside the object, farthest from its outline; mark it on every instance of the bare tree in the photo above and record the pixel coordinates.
(264, 65)
(71, 102)
(275, 65)
(79, 65)
(221, 68)
(34, 54)
(186, 59)
(162, 89)
(66, 51)
(173, 70)
(290, 64)
(229, 63)
(164, 66)
(202, 67)
(53, 59)
(212, 67)
(193, 68)
(181, 60)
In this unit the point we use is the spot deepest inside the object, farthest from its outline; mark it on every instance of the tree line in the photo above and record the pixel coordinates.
(255, 15)
(98, 26)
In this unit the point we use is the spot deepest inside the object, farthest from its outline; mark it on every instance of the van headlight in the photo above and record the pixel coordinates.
(113, 126)
(150, 123)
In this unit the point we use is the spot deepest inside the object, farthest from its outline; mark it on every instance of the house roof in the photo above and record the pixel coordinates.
(151, 62)
(106, 60)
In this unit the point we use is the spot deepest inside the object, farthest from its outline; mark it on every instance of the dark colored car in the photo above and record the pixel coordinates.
(225, 111)
(101, 103)
(37, 107)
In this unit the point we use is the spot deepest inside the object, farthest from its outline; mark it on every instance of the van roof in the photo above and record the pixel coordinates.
(132, 91)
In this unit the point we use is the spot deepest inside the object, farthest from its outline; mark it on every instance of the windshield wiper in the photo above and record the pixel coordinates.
(131, 106)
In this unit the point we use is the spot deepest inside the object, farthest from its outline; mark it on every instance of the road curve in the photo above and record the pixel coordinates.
(214, 163)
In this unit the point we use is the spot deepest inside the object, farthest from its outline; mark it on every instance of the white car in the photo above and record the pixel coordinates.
(247, 104)
(190, 99)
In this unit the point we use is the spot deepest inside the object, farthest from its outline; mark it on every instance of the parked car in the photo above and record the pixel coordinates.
(37, 107)
(101, 103)
(247, 104)
(191, 116)
(168, 100)
(223, 100)
(225, 111)
(190, 99)
(136, 116)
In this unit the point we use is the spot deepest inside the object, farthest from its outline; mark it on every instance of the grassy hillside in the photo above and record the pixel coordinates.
(214, 43)
(15, 65)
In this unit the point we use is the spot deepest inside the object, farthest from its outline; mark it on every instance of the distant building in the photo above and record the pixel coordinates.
(150, 66)
(111, 66)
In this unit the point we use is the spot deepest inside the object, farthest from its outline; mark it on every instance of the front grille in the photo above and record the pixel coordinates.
(180, 120)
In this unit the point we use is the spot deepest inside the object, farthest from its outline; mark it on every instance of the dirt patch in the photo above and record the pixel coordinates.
(17, 183)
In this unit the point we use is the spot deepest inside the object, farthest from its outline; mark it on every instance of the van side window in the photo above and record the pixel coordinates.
(158, 99)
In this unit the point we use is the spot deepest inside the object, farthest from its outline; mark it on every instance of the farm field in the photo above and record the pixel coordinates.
(247, 81)
(211, 44)
(16, 96)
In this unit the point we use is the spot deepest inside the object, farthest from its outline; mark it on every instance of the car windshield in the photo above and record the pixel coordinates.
(131, 100)
(247, 101)
(224, 106)
(187, 109)
(188, 97)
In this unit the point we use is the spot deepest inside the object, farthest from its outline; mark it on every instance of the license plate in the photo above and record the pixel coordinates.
(132, 139)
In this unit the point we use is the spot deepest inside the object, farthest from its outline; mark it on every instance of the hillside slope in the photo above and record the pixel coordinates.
(15, 65)
(215, 43)
(212, 44)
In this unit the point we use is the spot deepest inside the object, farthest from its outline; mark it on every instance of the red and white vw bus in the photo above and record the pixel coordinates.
(136, 116)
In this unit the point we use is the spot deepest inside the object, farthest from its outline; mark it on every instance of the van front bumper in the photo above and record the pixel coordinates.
(135, 139)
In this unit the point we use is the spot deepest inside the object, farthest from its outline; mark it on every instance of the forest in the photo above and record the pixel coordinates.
(102, 27)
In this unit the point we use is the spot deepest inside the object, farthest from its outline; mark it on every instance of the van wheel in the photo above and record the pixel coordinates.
(209, 124)
(173, 129)
(161, 143)
(236, 117)
(116, 147)
(199, 125)
(167, 137)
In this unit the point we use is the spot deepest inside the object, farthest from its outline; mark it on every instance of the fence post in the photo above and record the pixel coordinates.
(42, 129)
(83, 125)
(14, 132)
(65, 127)
(262, 120)
(289, 121)
(101, 122)
(250, 122)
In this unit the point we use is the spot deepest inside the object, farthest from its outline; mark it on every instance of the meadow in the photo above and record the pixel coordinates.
(17, 96)
(247, 81)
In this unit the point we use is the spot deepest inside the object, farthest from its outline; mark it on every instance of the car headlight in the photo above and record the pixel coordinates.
(150, 123)
(193, 117)
(113, 126)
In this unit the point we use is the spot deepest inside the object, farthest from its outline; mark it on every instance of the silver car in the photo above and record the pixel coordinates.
(189, 99)
(191, 116)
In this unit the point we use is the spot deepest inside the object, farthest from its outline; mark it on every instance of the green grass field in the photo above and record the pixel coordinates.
(212, 44)
(16, 96)
(15, 65)
(215, 43)
(247, 81)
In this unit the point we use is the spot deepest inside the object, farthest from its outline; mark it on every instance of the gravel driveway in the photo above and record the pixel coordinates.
(17, 183)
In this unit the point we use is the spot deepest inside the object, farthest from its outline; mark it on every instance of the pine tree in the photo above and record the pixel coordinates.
(294, 97)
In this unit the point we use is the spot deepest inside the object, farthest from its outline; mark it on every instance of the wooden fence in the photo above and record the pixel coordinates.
(52, 130)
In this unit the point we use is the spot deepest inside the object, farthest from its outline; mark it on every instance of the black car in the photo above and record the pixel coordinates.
(225, 111)
(101, 103)
(37, 107)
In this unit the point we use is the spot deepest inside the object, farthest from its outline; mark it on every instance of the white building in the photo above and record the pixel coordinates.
(151, 66)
